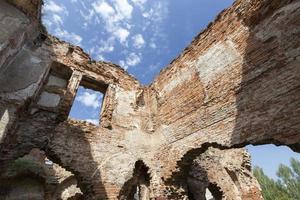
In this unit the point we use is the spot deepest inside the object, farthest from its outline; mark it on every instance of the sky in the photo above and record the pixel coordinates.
(270, 156)
(87, 105)
(142, 36)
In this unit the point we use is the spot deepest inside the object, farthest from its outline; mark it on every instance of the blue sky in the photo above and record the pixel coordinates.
(142, 36)
(270, 156)
(87, 105)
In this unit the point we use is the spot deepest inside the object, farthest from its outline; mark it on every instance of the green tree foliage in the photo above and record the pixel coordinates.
(287, 187)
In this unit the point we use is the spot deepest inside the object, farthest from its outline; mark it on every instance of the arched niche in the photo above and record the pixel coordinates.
(137, 187)
(35, 177)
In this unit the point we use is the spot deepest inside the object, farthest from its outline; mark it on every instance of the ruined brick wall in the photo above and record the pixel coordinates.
(241, 76)
(38, 87)
(236, 84)
(226, 173)
(244, 65)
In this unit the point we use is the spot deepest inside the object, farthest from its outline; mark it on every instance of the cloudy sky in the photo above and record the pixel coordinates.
(142, 36)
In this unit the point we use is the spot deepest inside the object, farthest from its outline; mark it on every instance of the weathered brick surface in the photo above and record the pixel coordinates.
(30, 177)
(237, 83)
(228, 170)
(241, 74)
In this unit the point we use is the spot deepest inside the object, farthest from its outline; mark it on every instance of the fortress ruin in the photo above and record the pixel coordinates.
(237, 83)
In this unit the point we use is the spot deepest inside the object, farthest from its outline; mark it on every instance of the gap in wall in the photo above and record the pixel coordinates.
(277, 169)
(212, 194)
(87, 105)
(269, 157)
(34, 176)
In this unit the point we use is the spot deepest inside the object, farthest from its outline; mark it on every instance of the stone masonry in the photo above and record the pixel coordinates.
(237, 83)
(30, 177)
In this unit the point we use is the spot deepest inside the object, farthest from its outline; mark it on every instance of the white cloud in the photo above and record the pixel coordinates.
(54, 20)
(48, 23)
(121, 34)
(113, 14)
(123, 8)
(138, 41)
(133, 59)
(53, 7)
(89, 99)
(152, 45)
(104, 46)
(95, 53)
(139, 3)
(115, 17)
(70, 37)
(113, 22)
(87, 16)
(57, 19)
(93, 121)
(157, 13)
(104, 9)
(123, 64)
(100, 57)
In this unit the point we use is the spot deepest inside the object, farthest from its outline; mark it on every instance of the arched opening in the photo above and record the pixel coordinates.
(213, 192)
(137, 188)
(61, 184)
(201, 184)
(213, 172)
(34, 176)
(24, 178)
(204, 190)
(68, 189)
(217, 172)
(143, 181)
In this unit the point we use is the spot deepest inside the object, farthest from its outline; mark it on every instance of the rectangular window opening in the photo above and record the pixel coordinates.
(55, 84)
(88, 102)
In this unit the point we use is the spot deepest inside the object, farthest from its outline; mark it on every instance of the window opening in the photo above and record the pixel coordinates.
(87, 105)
